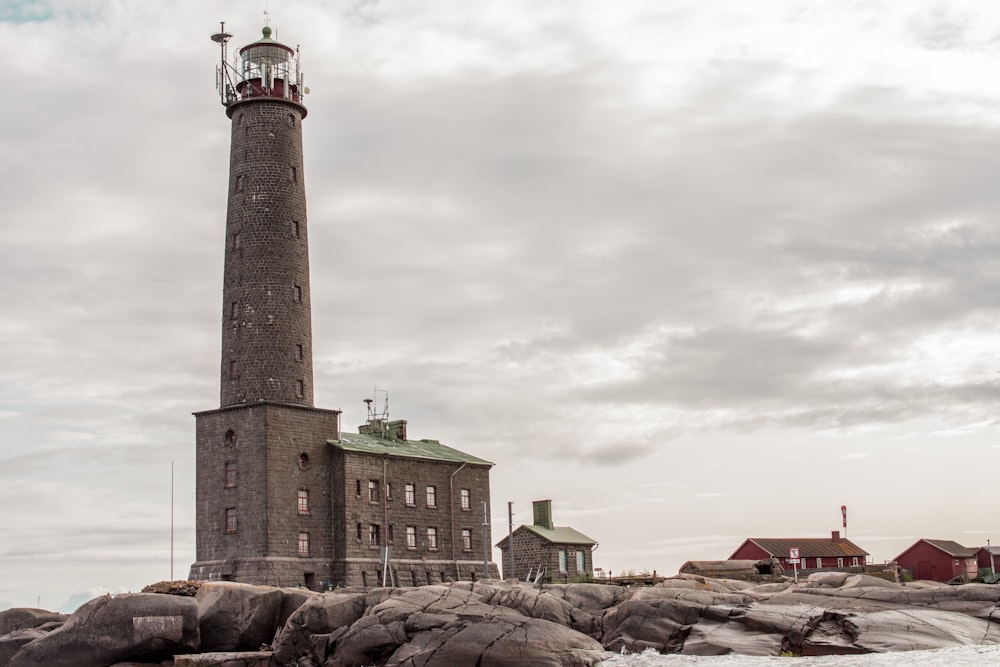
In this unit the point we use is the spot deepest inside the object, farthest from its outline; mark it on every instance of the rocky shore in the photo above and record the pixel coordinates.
(221, 624)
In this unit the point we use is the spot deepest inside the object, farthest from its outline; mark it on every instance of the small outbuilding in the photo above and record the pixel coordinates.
(561, 553)
(815, 553)
(988, 557)
(940, 560)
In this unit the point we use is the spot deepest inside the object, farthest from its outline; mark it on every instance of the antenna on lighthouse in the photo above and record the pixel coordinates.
(223, 83)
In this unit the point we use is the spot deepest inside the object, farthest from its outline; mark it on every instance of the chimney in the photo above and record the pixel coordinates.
(542, 510)
(835, 535)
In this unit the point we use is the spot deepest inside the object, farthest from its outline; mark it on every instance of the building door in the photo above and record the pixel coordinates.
(925, 570)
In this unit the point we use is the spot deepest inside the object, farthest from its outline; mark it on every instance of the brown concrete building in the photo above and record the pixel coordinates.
(283, 497)
(560, 552)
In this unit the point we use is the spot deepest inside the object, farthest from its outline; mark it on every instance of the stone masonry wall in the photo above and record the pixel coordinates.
(277, 450)
(266, 318)
(392, 515)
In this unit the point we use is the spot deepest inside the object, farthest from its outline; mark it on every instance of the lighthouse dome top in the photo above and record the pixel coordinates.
(266, 42)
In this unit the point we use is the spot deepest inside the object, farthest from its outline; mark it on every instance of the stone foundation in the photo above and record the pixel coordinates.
(281, 572)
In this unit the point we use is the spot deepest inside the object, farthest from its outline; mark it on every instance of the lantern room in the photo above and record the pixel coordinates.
(265, 68)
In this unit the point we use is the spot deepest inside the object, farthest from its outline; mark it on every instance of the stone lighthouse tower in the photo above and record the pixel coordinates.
(263, 508)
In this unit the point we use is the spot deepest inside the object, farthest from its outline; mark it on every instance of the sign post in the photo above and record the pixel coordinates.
(793, 558)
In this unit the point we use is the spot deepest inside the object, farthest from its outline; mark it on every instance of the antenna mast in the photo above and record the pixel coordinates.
(222, 81)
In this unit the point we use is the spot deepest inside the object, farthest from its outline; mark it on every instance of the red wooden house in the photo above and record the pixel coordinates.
(815, 553)
(940, 560)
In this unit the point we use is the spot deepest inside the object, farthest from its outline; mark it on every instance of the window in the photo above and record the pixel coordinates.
(411, 537)
(357, 484)
(359, 531)
(291, 120)
(466, 499)
(234, 310)
(296, 232)
(236, 241)
(303, 544)
(373, 491)
(388, 534)
(819, 563)
(230, 519)
(230, 474)
(297, 293)
(303, 501)
(299, 352)
(388, 491)
(300, 388)
(431, 496)
(232, 369)
(374, 535)
(466, 539)
(230, 438)
(304, 461)
(854, 561)
(840, 562)
(239, 183)
(293, 173)
(581, 565)
(411, 494)
(432, 538)
(562, 561)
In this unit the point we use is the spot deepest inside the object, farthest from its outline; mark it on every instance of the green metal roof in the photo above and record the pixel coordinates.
(410, 449)
(557, 535)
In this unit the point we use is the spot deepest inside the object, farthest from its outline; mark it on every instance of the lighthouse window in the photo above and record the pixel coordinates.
(293, 174)
(234, 311)
(295, 229)
(291, 120)
(297, 294)
(239, 183)
(232, 370)
(300, 388)
(299, 353)
(236, 241)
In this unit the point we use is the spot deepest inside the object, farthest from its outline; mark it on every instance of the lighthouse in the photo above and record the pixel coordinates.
(283, 497)
(262, 498)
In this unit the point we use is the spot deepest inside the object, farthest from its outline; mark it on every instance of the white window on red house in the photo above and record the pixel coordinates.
(230, 519)
(432, 538)
(854, 561)
(819, 562)
(411, 537)
(466, 539)
(230, 474)
(411, 494)
(373, 491)
(374, 535)
(303, 544)
(431, 496)
(466, 499)
(303, 501)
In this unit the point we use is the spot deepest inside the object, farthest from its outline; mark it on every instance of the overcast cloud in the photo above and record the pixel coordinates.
(694, 270)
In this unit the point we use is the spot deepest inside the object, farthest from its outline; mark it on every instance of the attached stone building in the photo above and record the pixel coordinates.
(283, 497)
(561, 552)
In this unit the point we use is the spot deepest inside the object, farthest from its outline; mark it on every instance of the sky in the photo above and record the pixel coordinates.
(696, 271)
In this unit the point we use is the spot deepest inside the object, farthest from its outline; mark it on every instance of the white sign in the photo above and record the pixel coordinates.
(793, 554)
